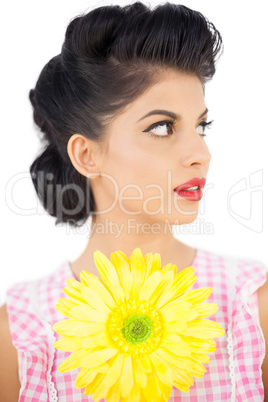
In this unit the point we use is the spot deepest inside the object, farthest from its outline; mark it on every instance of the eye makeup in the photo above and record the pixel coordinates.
(170, 124)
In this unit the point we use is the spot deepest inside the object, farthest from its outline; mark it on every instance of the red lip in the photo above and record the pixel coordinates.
(191, 183)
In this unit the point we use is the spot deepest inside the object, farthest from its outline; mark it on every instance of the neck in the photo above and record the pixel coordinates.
(108, 237)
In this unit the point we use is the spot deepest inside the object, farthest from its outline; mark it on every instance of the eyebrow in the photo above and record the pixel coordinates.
(168, 113)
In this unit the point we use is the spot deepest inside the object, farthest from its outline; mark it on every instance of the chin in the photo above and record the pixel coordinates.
(183, 219)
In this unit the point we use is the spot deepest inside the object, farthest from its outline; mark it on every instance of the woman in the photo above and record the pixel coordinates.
(123, 115)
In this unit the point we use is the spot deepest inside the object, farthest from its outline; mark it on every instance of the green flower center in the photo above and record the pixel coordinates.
(137, 328)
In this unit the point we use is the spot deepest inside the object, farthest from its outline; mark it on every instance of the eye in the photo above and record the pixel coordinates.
(204, 125)
(160, 129)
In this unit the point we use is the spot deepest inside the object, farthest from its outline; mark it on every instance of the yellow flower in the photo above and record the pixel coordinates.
(138, 331)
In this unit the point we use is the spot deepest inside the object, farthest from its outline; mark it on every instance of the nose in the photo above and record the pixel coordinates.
(194, 150)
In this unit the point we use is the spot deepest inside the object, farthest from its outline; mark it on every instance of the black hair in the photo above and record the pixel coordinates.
(109, 57)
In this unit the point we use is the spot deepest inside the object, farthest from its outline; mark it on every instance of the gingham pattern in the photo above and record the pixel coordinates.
(233, 372)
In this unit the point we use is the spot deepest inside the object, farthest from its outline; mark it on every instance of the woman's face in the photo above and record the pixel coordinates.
(143, 165)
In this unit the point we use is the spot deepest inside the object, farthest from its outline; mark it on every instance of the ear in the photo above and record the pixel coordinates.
(82, 151)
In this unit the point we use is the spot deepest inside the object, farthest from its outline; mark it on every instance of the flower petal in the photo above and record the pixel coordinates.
(92, 341)
(200, 345)
(72, 362)
(156, 263)
(85, 377)
(182, 282)
(176, 345)
(106, 382)
(184, 315)
(152, 391)
(95, 283)
(74, 284)
(175, 305)
(74, 294)
(75, 327)
(176, 326)
(106, 269)
(134, 395)
(162, 389)
(139, 373)
(148, 262)
(196, 369)
(203, 329)
(120, 263)
(200, 358)
(205, 309)
(123, 255)
(165, 283)
(103, 368)
(179, 362)
(137, 270)
(180, 349)
(178, 309)
(69, 303)
(86, 313)
(150, 285)
(182, 379)
(146, 364)
(97, 357)
(95, 387)
(63, 310)
(123, 270)
(109, 276)
(92, 387)
(165, 391)
(197, 295)
(64, 305)
(114, 393)
(169, 267)
(69, 343)
(126, 380)
(161, 369)
(114, 371)
(94, 299)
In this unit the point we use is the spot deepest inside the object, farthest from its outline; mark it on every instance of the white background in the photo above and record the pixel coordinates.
(237, 98)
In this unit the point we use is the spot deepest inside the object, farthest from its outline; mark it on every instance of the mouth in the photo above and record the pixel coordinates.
(191, 190)
(191, 185)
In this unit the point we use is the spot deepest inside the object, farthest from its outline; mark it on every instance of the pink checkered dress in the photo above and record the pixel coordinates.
(233, 372)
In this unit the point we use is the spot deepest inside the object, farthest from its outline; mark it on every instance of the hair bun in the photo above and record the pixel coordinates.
(60, 188)
(39, 119)
(32, 97)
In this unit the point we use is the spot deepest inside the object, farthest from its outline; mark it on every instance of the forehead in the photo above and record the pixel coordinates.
(173, 84)
(173, 90)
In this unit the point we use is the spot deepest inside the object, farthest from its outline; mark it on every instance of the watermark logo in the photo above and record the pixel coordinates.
(53, 195)
(244, 200)
(251, 192)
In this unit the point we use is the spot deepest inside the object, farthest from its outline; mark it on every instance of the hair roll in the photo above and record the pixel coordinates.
(63, 191)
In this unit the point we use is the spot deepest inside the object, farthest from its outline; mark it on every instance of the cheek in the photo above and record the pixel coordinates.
(130, 163)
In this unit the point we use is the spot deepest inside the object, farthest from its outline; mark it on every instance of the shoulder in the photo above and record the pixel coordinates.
(30, 309)
(262, 293)
(9, 377)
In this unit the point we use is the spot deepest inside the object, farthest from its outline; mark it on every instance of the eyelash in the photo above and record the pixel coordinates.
(171, 123)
